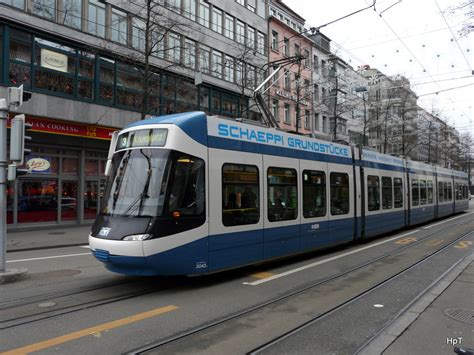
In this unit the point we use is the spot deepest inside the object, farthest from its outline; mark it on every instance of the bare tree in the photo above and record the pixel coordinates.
(465, 8)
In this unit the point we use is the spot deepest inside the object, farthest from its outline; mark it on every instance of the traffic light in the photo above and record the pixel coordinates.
(17, 146)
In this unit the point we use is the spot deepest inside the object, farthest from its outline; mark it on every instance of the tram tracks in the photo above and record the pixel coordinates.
(172, 344)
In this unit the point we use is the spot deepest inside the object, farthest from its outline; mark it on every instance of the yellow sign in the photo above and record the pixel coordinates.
(53, 60)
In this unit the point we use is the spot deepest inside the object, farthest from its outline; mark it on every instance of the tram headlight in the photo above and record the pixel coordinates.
(137, 237)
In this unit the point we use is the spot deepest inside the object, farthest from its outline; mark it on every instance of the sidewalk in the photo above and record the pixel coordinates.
(47, 238)
(441, 320)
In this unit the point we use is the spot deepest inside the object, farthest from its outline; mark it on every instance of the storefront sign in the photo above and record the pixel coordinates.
(53, 60)
(46, 125)
(39, 165)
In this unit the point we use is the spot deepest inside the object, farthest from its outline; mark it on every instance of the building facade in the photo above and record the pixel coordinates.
(83, 62)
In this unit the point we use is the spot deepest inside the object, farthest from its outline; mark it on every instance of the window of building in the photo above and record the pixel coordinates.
(307, 87)
(275, 40)
(119, 26)
(190, 53)
(204, 58)
(240, 32)
(106, 80)
(307, 59)
(204, 14)
(70, 13)
(20, 59)
(251, 76)
(241, 2)
(229, 69)
(175, 5)
(250, 37)
(45, 8)
(316, 122)
(275, 110)
(287, 81)
(229, 26)
(307, 119)
(174, 47)
(315, 63)
(189, 9)
(96, 21)
(286, 47)
(282, 194)
(15, 3)
(217, 64)
(373, 193)
(415, 193)
(325, 124)
(138, 34)
(340, 199)
(314, 193)
(158, 43)
(86, 76)
(239, 75)
(261, 43)
(286, 114)
(252, 5)
(217, 20)
(240, 195)
(422, 192)
(387, 195)
(297, 49)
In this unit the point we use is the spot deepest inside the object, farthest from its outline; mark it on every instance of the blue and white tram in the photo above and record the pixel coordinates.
(195, 194)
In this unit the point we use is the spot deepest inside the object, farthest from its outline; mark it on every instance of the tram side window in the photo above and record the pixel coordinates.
(240, 195)
(422, 192)
(415, 193)
(282, 194)
(429, 186)
(339, 194)
(387, 198)
(458, 192)
(398, 192)
(373, 193)
(314, 193)
(187, 190)
(440, 192)
(450, 191)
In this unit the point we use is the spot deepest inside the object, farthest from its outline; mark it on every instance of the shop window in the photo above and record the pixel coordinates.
(415, 193)
(314, 193)
(44, 8)
(230, 105)
(373, 193)
(70, 166)
(240, 195)
(216, 102)
(398, 192)
(69, 201)
(387, 196)
(129, 87)
(20, 51)
(19, 74)
(168, 106)
(340, 198)
(282, 194)
(10, 199)
(70, 13)
(40, 164)
(91, 199)
(91, 167)
(37, 201)
(51, 81)
(106, 80)
(204, 99)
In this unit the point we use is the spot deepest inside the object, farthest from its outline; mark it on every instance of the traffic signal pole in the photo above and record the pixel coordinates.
(3, 183)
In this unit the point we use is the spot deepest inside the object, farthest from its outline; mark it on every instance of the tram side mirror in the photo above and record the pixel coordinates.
(113, 144)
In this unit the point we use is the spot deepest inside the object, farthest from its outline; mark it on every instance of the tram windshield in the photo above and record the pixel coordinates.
(153, 182)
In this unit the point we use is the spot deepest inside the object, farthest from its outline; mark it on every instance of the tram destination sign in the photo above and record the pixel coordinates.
(143, 138)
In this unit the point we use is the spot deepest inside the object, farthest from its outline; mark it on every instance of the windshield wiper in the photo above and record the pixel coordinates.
(144, 194)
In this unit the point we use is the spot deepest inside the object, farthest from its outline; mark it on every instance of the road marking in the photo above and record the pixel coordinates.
(448, 220)
(435, 242)
(48, 257)
(277, 276)
(406, 241)
(90, 331)
(84, 246)
(463, 244)
(262, 275)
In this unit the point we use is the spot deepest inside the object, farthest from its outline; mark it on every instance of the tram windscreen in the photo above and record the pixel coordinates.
(151, 182)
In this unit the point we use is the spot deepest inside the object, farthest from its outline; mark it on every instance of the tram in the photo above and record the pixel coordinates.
(195, 194)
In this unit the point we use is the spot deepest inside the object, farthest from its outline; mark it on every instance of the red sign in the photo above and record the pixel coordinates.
(66, 128)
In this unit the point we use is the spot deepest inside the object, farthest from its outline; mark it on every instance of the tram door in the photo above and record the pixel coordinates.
(282, 206)
(236, 201)
(314, 204)
(341, 203)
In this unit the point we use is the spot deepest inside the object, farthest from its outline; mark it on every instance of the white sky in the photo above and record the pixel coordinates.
(427, 53)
